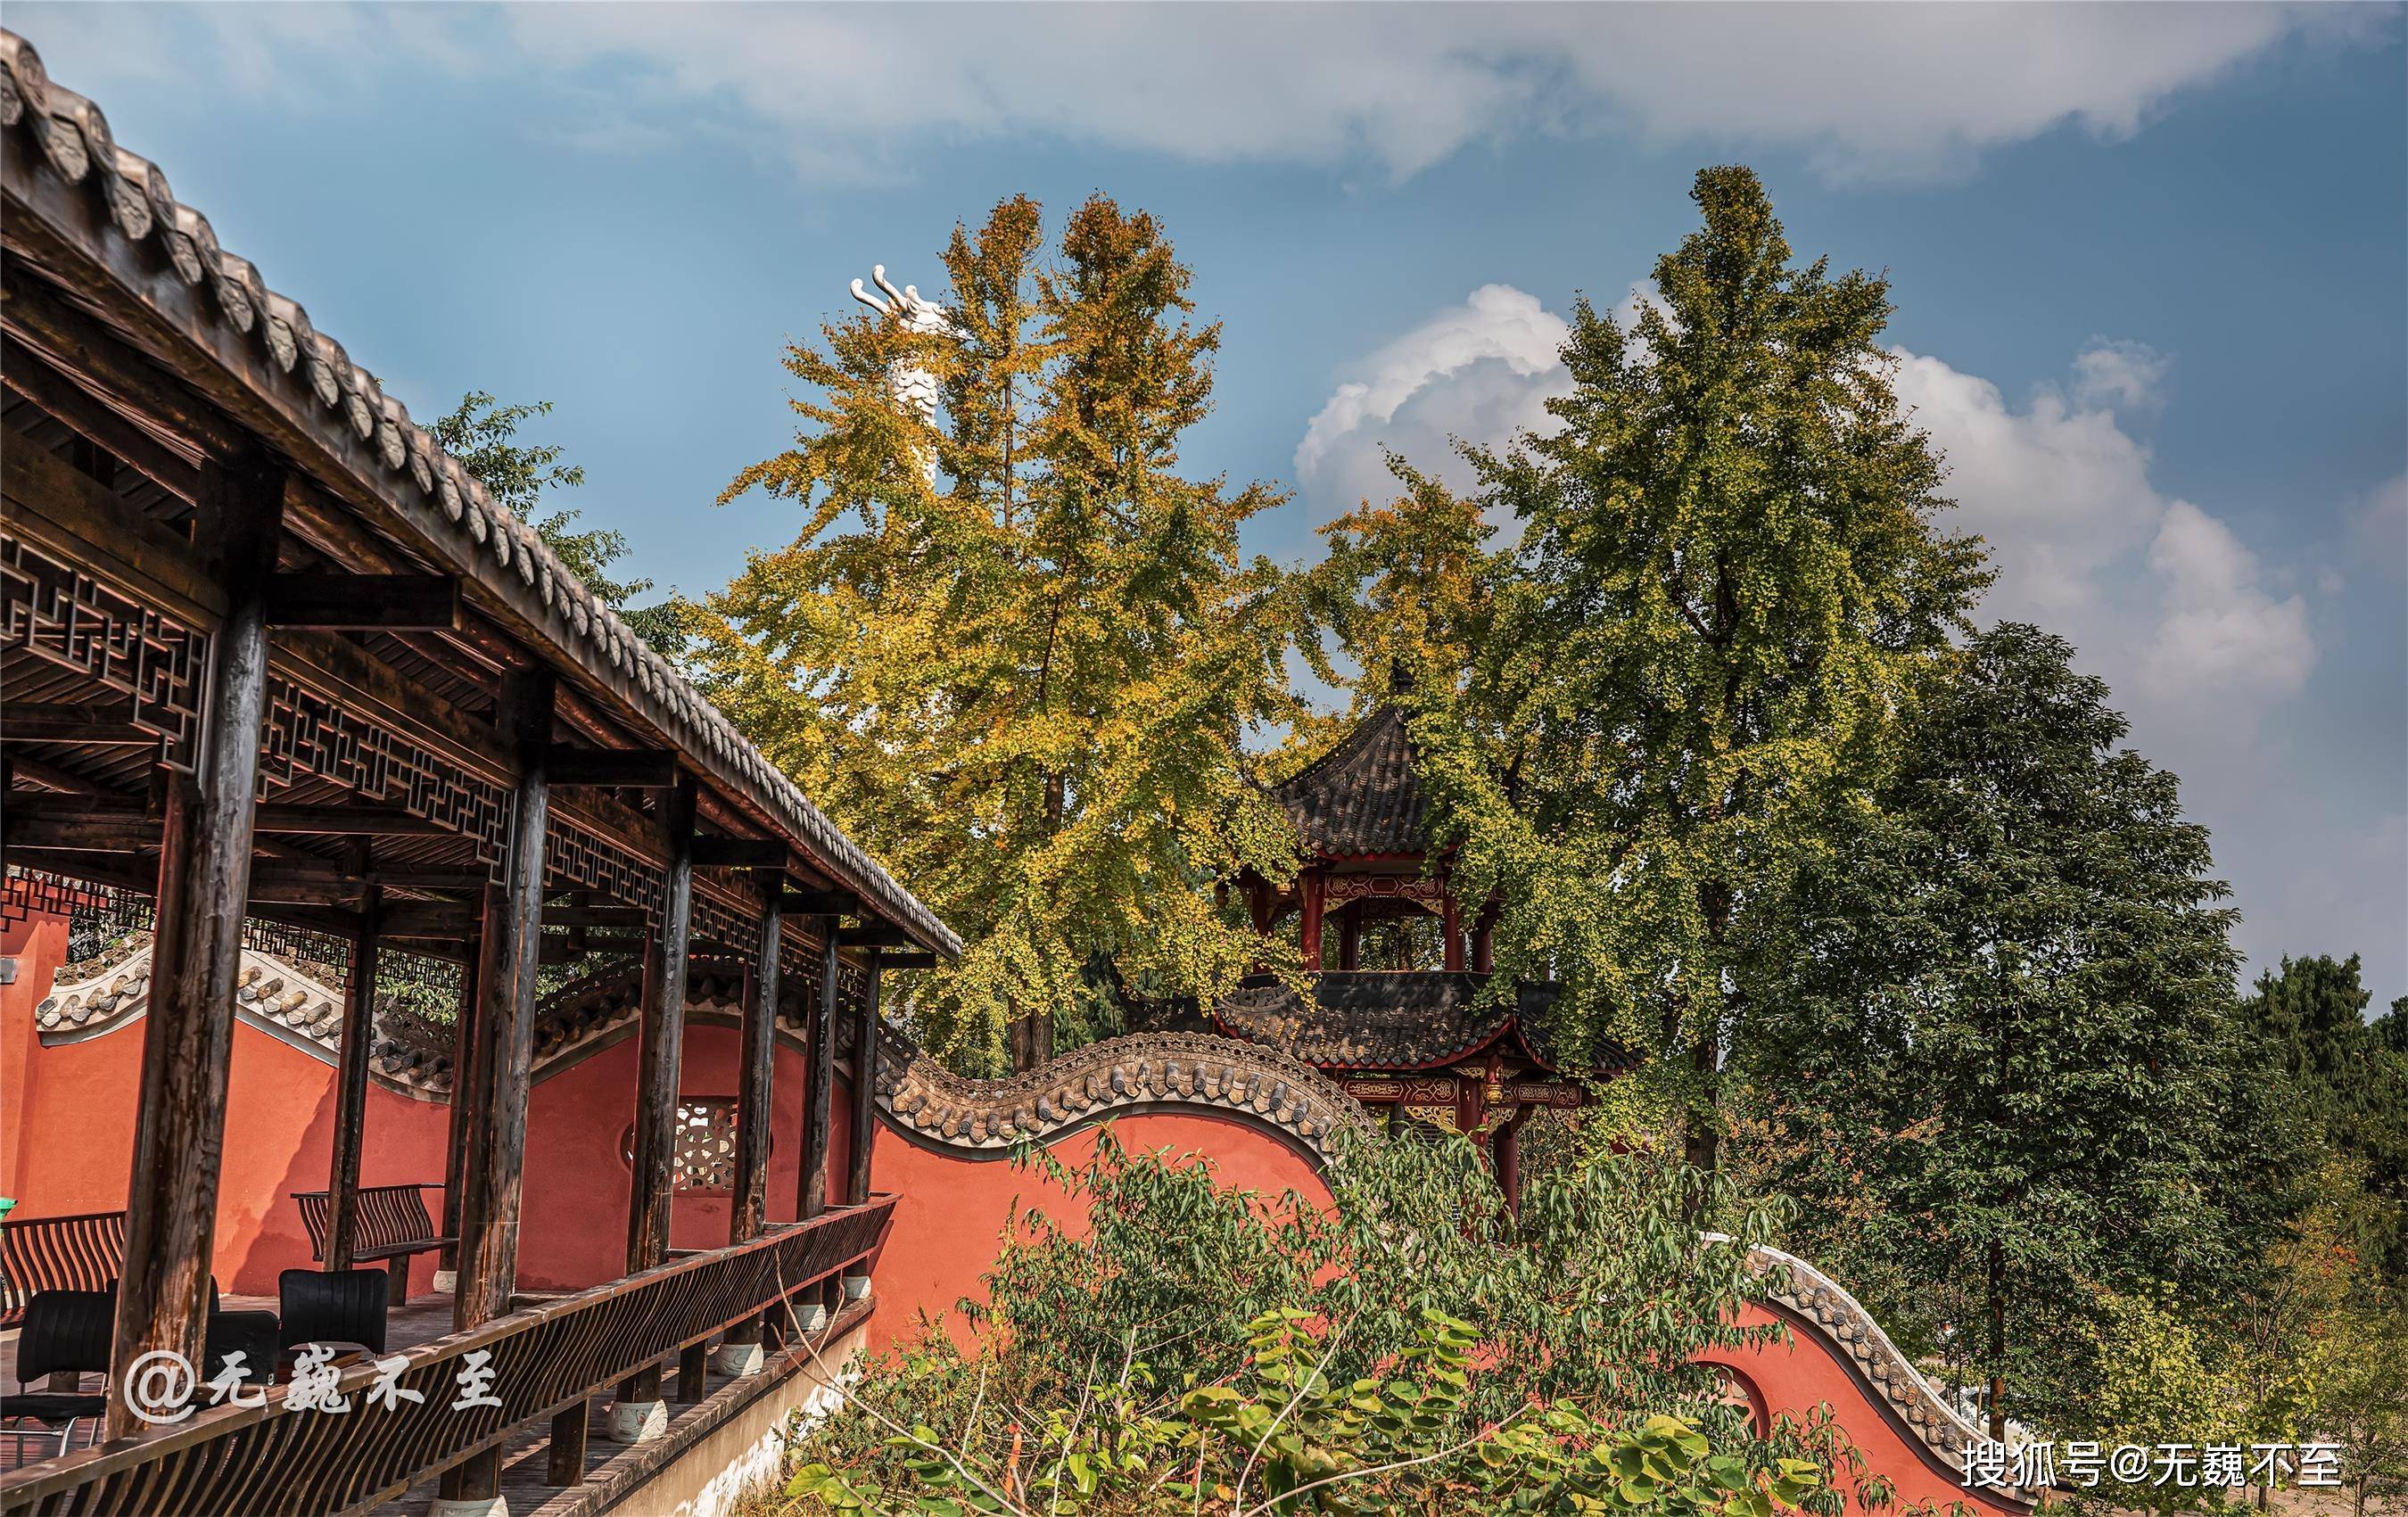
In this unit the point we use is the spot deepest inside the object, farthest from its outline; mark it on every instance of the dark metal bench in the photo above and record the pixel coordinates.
(81, 1253)
(394, 1224)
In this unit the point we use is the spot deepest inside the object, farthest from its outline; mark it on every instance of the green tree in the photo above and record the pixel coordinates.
(483, 435)
(1023, 676)
(2350, 1079)
(1729, 573)
(2003, 1044)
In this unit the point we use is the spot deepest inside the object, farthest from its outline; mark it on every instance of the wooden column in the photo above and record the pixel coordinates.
(754, 1083)
(658, 1066)
(197, 956)
(1451, 925)
(865, 1089)
(1483, 941)
(663, 1037)
(1350, 937)
(495, 1142)
(478, 971)
(818, 1089)
(1308, 922)
(352, 1094)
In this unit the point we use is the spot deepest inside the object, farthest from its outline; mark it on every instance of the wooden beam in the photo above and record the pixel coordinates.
(25, 826)
(27, 373)
(635, 768)
(24, 767)
(349, 821)
(429, 919)
(351, 1093)
(819, 1087)
(197, 956)
(910, 961)
(876, 935)
(819, 903)
(741, 854)
(365, 602)
(863, 1124)
(26, 722)
(68, 513)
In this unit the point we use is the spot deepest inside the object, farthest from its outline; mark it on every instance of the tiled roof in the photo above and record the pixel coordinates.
(436, 492)
(1374, 1019)
(1361, 797)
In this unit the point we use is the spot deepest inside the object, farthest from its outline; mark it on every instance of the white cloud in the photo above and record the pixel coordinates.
(2382, 525)
(2163, 599)
(1867, 91)
(1500, 332)
(2221, 637)
(2119, 376)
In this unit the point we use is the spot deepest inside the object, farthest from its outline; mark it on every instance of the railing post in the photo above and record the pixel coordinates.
(640, 1414)
(565, 1462)
(196, 958)
(473, 974)
(495, 1146)
(740, 1351)
(352, 1095)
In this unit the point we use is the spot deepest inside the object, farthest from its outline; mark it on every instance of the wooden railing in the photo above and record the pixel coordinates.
(393, 1219)
(268, 1461)
(81, 1253)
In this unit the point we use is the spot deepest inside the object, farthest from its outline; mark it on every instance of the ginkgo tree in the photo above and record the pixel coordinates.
(1011, 646)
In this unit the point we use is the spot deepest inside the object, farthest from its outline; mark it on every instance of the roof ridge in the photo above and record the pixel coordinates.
(1356, 740)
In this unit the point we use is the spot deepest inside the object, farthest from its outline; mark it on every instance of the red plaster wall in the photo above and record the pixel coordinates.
(1807, 1371)
(950, 1211)
(67, 1141)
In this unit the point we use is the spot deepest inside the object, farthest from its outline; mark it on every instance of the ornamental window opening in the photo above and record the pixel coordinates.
(702, 1146)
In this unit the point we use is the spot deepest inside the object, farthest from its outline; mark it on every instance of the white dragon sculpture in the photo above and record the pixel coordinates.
(911, 384)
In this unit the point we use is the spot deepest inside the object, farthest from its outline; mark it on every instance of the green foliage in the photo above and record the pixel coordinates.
(1999, 1068)
(1727, 576)
(1283, 1434)
(2349, 1079)
(1024, 683)
(483, 435)
(1171, 1346)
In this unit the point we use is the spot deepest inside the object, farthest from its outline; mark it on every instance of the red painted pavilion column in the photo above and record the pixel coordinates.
(1451, 921)
(1309, 889)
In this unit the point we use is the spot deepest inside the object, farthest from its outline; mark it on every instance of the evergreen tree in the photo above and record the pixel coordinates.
(1022, 678)
(2001, 1065)
(1730, 572)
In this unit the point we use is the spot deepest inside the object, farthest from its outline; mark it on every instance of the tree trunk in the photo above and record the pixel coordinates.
(1997, 1287)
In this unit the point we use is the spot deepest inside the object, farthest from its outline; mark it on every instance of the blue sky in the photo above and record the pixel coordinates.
(2151, 264)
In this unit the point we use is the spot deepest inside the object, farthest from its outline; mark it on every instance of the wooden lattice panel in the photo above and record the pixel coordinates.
(66, 617)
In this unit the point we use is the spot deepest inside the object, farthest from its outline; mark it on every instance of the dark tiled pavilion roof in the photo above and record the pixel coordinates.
(1387, 1021)
(1362, 796)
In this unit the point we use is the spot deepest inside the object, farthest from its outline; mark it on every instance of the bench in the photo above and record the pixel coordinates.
(394, 1224)
(81, 1253)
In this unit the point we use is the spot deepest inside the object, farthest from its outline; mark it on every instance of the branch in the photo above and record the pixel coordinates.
(1474, 1442)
